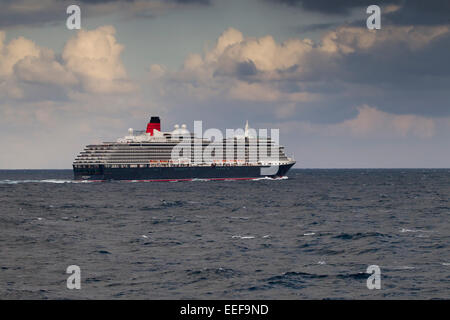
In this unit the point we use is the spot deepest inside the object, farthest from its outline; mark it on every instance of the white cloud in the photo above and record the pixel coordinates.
(90, 58)
(95, 57)
(266, 55)
(224, 68)
(44, 69)
(347, 40)
(22, 59)
(16, 50)
(157, 71)
(373, 122)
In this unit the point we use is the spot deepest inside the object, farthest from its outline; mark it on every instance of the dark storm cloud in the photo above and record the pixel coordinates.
(392, 76)
(11, 15)
(54, 12)
(246, 68)
(333, 7)
(418, 12)
(193, 1)
(410, 12)
(176, 1)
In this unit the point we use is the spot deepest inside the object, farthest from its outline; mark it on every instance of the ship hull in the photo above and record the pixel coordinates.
(181, 173)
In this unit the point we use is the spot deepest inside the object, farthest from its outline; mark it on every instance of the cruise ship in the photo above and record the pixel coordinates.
(178, 155)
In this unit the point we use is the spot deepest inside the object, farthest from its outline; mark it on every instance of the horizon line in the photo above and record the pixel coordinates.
(306, 168)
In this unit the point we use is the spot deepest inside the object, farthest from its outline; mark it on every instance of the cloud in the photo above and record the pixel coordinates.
(242, 68)
(373, 122)
(396, 68)
(14, 51)
(242, 90)
(334, 8)
(370, 123)
(27, 12)
(14, 13)
(394, 12)
(68, 99)
(95, 57)
(90, 62)
(350, 39)
(264, 54)
(23, 64)
(44, 69)
(417, 12)
(257, 59)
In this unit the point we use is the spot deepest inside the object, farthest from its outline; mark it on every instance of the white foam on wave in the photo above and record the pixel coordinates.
(400, 267)
(404, 230)
(269, 178)
(242, 237)
(42, 181)
(407, 230)
(56, 181)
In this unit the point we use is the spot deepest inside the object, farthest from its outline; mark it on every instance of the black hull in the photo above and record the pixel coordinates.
(180, 173)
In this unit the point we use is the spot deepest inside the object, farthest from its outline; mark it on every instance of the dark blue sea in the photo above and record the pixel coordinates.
(311, 236)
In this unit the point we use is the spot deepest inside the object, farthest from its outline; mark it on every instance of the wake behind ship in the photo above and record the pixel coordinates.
(149, 155)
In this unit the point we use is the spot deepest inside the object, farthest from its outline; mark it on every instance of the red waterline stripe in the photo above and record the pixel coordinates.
(171, 180)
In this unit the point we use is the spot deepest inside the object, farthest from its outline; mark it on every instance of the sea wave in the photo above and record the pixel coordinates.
(242, 237)
(43, 181)
(62, 181)
(269, 178)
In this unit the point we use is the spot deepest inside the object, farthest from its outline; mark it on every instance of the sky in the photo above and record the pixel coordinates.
(343, 96)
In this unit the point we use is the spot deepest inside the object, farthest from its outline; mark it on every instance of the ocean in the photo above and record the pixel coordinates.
(310, 236)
